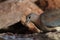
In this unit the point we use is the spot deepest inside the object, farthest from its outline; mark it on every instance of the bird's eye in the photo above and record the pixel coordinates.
(29, 17)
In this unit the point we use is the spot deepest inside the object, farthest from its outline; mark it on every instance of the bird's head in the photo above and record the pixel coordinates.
(32, 17)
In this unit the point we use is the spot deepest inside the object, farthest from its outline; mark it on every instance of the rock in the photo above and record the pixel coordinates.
(12, 12)
(54, 35)
(33, 0)
(35, 36)
(16, 0)
(48, 4)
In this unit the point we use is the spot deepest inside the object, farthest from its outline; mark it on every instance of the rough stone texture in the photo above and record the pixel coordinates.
(16, 0)
(13, 11)
(49, 4)
(35, 36)
(33, 0)
(16, 11)
(54, 35)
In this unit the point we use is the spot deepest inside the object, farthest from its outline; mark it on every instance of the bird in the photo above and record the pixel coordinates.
(48, 21)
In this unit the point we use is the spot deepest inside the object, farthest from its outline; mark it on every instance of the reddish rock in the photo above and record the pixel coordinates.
(33, 0)
(14, 11)
(49, 4)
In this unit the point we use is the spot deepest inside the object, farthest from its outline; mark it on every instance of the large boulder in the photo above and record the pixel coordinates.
(13, 11)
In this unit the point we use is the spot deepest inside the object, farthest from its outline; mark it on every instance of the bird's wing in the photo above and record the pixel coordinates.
(51, 18)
